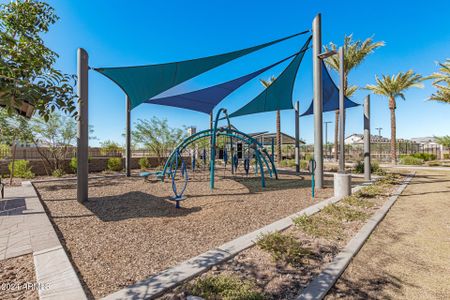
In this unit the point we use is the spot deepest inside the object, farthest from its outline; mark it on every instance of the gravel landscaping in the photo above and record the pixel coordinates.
(17, 278)
(128, 230)
(275, 268)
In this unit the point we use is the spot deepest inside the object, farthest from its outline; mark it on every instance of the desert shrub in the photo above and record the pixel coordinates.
(58, 173)
(143, 163)
(344, 213)
(354, 200)
(73, 164)
(22, 169)
(114, 164)
(424, 156)
(283, 247)
(446, 156)
(410, 160)
(374, 168)
(304, 164)
(434, 164)
(318, 226)
(223, 287)
(389, 179)
(369, 191)
(308, 157)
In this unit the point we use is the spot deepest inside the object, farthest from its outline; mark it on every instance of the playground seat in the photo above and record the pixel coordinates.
(157, 174)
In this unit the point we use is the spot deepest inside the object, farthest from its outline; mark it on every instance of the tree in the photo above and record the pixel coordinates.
(442, 83)
(109, 146)
(355, 52)
(27, 74)
(393, 87)
(443, 140)
(14, 129)
(266, 84)
(53, 137)
(157, 136)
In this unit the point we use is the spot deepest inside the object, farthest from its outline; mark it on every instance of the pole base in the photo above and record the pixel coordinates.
(342, 185)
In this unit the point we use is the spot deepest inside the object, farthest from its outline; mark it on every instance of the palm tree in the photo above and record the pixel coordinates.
(443, 76)
(266, 84)
(392, 87)
(354, 54)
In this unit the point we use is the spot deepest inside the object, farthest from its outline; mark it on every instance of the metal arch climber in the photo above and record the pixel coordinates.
(262, 156)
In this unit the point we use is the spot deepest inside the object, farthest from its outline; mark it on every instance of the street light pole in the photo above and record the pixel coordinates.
(379, 143)
(318, 102)
(341, 112)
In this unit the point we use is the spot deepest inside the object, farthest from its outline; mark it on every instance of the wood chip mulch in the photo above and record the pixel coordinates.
(129, 231)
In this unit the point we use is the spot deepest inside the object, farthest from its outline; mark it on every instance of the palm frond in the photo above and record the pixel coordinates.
(394, 86)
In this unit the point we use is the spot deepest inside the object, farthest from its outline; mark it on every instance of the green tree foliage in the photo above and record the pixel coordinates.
(109, 147)
(394, 87)
(355, 52)
(27, 72)
(14, 129)
(443, 140)
(157, 136)
(53, 138)
(442, 83)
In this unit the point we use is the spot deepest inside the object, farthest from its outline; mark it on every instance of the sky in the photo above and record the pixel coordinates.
(127, 33)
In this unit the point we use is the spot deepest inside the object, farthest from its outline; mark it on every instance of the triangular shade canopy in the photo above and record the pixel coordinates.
(278, 95)
(330, 95)
(206, 99)
(141, 83)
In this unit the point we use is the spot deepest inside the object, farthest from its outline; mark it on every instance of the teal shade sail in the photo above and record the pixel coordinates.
(278, 95)
(141, 83)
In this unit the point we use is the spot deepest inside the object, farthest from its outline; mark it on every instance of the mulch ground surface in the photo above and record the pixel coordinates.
(17, 278)
(128, 230)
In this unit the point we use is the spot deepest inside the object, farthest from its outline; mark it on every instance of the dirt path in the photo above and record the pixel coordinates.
(408, 255)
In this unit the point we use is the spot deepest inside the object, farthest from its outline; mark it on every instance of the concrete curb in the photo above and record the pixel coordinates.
(168, 279)
(55, 275)
(320, 286)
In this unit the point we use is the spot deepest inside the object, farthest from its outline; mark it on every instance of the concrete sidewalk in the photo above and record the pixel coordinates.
(26, 229)
(24, 226)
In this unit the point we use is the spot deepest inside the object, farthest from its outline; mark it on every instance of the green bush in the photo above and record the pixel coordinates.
(143, 163)
(411, 160)
(22, 169)
(283, 247)
(58, 173)
(73, 164)
(374, 168)
(446, 156)
(424, 156)
(5, 151)
(304, 164)
(114, 164)
(223, 287)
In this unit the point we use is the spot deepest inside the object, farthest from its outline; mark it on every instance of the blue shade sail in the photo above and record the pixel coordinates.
(330, 95)
(206, 99)
(278, 95)
(141, 83)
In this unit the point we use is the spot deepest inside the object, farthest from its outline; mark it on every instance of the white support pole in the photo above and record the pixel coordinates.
(367, 171)
(83, 126)
(128, 137)
(297, 137)
(318, 94)
(341, 112)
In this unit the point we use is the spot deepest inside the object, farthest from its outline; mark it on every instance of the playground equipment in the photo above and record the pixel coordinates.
(262, 157)
(175, 166)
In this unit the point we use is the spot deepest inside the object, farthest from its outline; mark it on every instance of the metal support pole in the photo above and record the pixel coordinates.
(297, 137)
(341, 112)
(367, 171)
(318, 102)
(128, 137)
(83, 126)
